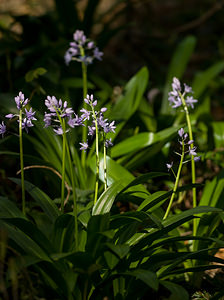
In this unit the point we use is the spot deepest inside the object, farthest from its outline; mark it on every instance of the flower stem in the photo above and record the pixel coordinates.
(105, 163)
(193, 173)
(176, 182)
(75, 211)
(97, 155)
(21, 162)
(84, 129)
(63, 166)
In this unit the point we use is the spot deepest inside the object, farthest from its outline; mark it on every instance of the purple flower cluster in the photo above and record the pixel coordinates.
(104, 125)
(82, 49)
(2, 129)
(175, 95)
(28, 115)
(187, 143)
(58, 111)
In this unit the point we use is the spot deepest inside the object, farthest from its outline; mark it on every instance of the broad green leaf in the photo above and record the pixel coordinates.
(63, 233)
(148, 277)
(143, 178)
(218, 133)
(115, 172)
(31, 231)
(106, 200)
(24, 242)
(190, 212)
(127, 104)
(177, 291)
(213, 192)
(202, 79)
(142, 140)
(40, 198)
(177, 67)
(8, 209)
(120, 250)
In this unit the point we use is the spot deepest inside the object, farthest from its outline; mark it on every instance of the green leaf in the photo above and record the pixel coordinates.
(213, 192)
(31, 231)
(25, 243)
(75, 82)
(9, 210)
(190, 212)
(148, 277)
(142, 140)
(143, 178)
(177, 67)
(34, 74)
(177, 291)
(218, 133)
(127, 104)
(202, 79)
(115, 172)
(40, 198)
(120, 250)
(106, 200)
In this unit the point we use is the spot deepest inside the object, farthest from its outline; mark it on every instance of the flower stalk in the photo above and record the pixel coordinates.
(176, 181)
(193, 172)
(21, 162)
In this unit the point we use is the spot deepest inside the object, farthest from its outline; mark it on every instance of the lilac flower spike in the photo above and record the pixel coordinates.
(174, 96)
(59, 110)
(2, 129)
(27, 116)
(82, 49)
(21, 101)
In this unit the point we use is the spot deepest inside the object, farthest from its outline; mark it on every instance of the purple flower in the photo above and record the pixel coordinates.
(26, 123)
(47, 119)
(2, 129)
(21, 101)
(190, 101)
(58, 130)
(187, 89)
(181, 132)
(91, 130)
(72, 122)
(174, 97)
(176, 84)
(169, 166)
(108, 143)
(86, 114)
(79, 37)
(84, 146)
(30, 114)
(97, 54)
(58, 110)
(197, 158)
(82, 49)
(192, 151)
(10, 116)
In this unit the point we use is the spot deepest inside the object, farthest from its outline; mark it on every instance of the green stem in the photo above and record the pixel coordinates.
(105, 163)
(193, 173)
(63, 166)
(21, 162)
(176, 182)
(84, 129)
(97, 156)
(75, 211)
